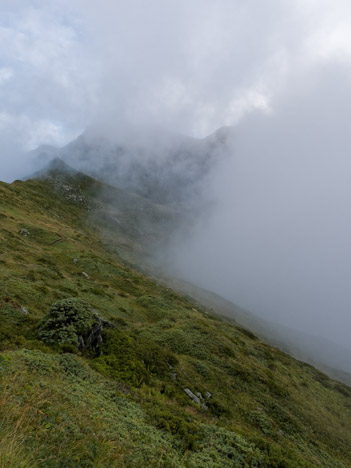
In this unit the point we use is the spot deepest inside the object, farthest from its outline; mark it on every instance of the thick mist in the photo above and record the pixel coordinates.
(278, 240)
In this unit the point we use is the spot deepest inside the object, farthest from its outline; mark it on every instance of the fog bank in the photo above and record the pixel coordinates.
(278, 241)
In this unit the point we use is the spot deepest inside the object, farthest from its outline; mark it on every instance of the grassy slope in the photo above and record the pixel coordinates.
(327, 356)
(128, 407)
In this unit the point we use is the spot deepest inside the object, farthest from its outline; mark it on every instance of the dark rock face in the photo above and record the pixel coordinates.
(94, 340)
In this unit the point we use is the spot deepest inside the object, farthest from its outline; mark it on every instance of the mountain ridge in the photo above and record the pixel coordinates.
(163, 169)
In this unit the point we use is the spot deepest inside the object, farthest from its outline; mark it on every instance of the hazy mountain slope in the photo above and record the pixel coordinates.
(324, 354)
(136, 227)
(128, 407)
(165, 168)
(145, 227)
(126, 221)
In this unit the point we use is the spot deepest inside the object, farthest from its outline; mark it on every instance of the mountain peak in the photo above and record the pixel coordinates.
(54, 168)
(57, 164)
(221, 136)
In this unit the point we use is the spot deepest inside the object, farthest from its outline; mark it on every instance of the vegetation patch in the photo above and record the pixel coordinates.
(69, 321)
(123, 404)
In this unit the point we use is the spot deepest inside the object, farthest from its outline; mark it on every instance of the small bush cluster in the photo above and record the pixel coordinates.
(176, 423)
(133, 359)
(69, 322)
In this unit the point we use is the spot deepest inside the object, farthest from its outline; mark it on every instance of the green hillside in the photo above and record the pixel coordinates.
(123, 403)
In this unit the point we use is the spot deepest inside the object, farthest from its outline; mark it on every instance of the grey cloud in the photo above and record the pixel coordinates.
(189, 65)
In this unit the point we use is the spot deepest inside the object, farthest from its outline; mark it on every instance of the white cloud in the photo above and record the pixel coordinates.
(44, 73)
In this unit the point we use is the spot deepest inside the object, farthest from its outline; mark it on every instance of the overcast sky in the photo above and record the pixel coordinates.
(277, 70)
(194, 65)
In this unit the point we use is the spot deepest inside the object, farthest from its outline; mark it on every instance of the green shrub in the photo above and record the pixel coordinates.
(217, 408)
(75, 367)
(221, 447)
(262, 421)
(176, 423)
(157, 359)
(69, 321)
(156, 308)
(132, 359)
(119, 359)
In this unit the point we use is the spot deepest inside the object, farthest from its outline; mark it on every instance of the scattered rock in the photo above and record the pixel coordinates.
(195, 398)
(86, 275)
(25, 310)
(71, 193)
(75, 260)
(24, 232)
(259, 408)
(173, 373)
(192, 396)
(280, 432)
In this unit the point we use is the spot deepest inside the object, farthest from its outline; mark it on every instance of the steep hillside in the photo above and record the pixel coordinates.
(326, 355)
(171, 384)
(127, 222)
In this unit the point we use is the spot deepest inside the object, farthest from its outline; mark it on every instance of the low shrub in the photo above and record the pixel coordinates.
(176, 423)
(69, 321)
(132, 359)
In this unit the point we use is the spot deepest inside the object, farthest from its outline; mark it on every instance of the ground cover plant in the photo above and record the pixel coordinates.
(125, 403)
